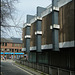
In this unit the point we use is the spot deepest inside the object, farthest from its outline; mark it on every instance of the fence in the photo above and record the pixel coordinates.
(51, 70)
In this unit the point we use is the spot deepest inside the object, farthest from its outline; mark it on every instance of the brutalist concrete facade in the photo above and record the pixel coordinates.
(51, 35)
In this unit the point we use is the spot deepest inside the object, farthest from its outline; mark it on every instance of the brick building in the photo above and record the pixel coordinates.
(11, 48)
(48, 38)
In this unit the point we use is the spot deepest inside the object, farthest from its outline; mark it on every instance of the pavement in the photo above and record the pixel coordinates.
(27, 70)
(31, 70)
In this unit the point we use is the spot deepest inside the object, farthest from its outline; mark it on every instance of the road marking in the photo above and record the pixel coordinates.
(23, 70)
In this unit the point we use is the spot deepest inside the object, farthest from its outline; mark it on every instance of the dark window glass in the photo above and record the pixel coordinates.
(12, 45)
(5, 49)
(12, 50)
(20, 50)
(17, 50)
(5, 44)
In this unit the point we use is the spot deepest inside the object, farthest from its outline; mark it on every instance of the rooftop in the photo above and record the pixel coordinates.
(12, 40)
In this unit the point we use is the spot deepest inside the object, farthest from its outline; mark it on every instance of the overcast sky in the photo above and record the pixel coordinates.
(24, 7)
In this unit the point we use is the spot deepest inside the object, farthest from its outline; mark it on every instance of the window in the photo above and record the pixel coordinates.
(15, 45)
(5, 44)
(17, 50)
(18, 45)
(12, 45)
(2, 49)
(5, 49)
(20, 50)
(12, 50)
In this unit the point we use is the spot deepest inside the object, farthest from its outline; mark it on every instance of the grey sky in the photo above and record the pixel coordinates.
(24, 7)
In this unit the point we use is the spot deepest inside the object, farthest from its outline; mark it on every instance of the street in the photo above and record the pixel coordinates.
(8, 68)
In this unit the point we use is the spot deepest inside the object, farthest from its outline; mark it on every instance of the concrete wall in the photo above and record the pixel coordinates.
(65, 57)
(66, 22)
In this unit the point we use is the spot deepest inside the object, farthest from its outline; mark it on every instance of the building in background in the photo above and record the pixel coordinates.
(11, 48)
(48, 37)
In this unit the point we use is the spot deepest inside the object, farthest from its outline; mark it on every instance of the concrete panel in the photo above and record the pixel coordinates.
(53, 71)
(27, 30)
(38, 26)
(62, 72)
(63, 2)
(29, 17)
(38, 43)
(46, 69)
(28, 45)
(40, 10)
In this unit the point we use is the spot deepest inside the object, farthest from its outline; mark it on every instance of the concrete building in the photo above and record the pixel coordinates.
(48, 38)
(11, 48)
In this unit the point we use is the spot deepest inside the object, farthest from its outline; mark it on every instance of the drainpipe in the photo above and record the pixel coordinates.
(55, 26)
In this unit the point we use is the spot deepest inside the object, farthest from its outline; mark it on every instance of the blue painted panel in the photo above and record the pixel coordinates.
(10, 53)
(7, 53)
(19, 53)
(1, 52)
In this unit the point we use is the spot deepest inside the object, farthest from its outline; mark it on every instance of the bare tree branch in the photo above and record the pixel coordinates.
(7, 8)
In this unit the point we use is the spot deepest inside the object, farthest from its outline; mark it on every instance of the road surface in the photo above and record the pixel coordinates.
(8, 68)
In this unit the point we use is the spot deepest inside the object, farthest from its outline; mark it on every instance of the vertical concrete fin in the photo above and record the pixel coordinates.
(55, 32)
(40, 10)
(38, 28)
(28, 18)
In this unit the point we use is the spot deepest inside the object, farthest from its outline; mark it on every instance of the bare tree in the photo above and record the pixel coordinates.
(7, 10)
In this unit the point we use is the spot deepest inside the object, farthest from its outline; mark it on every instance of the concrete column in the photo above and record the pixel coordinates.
(38, 35)
(55, 26)
(38, 32)
(27, 39)
(28, 36)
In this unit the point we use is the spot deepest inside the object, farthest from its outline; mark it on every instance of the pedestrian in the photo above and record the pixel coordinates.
(3, 58)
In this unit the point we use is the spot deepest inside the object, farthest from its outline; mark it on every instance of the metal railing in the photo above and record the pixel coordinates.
(52, 70)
